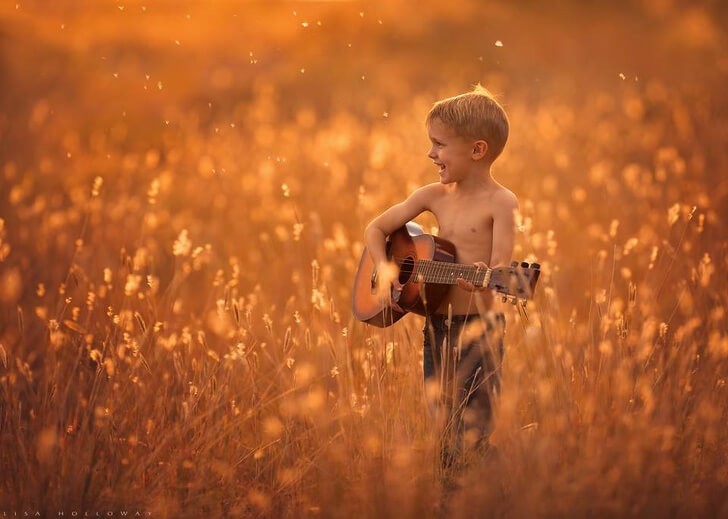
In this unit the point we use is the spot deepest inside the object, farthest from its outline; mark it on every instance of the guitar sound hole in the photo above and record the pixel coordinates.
(406, 269)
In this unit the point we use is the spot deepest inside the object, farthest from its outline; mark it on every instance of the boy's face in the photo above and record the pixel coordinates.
(452, 153)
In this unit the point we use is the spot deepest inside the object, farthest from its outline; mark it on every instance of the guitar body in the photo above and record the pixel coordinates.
(405, 246)
(426, 267)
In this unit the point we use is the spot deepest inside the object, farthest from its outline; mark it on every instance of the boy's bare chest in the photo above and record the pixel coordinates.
(469, 226)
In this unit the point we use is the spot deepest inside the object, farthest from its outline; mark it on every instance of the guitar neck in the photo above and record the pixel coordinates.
(429, 271)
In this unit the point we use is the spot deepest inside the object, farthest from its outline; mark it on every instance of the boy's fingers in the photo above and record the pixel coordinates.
(392, 304)
(480, 265)
(465, 285)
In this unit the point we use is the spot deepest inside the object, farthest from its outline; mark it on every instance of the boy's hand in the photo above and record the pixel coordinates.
(388, 282)
(467, 285)
(387, 298)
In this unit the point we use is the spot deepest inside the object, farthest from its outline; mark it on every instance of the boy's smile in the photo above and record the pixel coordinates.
(450, 152)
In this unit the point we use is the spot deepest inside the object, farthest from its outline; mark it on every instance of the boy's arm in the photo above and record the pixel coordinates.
(394, 218)
(504, 231)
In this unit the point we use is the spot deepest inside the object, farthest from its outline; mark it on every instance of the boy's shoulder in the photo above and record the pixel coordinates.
(429, 193)
(498, 195)
(503, 202)
(433, 189)
(503, 195)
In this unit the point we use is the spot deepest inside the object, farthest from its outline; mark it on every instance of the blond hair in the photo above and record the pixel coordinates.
(475, 115)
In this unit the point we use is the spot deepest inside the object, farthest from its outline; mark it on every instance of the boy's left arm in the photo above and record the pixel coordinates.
(504, 230)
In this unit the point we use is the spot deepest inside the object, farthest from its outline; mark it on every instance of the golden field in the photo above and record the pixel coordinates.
(183, 197)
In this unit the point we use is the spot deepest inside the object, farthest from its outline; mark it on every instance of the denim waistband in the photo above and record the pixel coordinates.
(440, 321)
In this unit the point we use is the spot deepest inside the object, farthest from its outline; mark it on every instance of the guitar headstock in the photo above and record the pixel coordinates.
(515, 282)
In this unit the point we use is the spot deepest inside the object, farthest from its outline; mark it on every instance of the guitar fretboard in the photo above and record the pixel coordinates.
(429, 271)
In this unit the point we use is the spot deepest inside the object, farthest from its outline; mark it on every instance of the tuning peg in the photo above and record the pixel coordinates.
(524, 264)
(536, 266)
(514, 264)
(514, 300)
(505, 299)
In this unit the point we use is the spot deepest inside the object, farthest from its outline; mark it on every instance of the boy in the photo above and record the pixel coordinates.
(476, 213)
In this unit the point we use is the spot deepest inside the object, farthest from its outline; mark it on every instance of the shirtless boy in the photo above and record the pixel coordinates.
(476, 213)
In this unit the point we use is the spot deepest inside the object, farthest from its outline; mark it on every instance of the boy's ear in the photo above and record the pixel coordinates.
(480, 148)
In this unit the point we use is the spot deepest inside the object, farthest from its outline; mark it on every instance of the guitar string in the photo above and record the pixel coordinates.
(439, 270)
(443, 271)
(445, 264)
(442, 264)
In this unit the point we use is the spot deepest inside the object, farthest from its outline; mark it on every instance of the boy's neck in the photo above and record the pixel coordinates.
(478, 179)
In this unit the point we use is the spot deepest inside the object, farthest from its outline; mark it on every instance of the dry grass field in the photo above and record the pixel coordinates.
(183, 193)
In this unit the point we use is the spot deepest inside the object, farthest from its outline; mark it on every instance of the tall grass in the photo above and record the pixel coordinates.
(182, 216)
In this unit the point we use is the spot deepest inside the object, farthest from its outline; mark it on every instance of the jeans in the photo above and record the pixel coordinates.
(462, 376)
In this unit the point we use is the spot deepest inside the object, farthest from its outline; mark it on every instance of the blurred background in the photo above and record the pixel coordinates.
(184, 191)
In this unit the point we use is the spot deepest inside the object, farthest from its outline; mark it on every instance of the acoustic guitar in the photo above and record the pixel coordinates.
(426, 268)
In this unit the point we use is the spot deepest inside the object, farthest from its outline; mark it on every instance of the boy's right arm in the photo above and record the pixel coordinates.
(394, 218)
